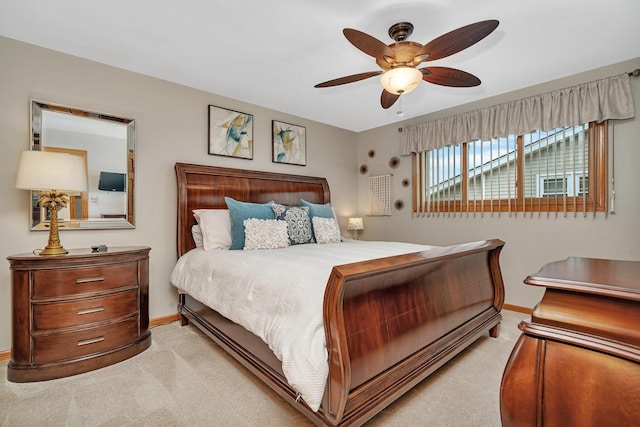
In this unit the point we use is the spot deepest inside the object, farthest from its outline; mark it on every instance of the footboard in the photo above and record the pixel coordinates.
(393, 321)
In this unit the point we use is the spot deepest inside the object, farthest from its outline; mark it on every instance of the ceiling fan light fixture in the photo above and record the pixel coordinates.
(398, 61)
(401, 80)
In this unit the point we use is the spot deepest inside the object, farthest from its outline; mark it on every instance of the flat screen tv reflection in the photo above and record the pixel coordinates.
(112, 181)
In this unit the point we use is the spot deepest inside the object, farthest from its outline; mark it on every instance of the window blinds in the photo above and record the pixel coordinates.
(556, 172)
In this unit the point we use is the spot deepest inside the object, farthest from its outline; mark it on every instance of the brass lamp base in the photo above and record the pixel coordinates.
(54, 247)
(53, 250)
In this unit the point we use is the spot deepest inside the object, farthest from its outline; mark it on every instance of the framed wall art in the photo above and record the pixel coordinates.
(230, 133)
(289, 143)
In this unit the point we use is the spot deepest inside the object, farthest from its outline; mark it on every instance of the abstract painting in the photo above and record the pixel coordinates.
(230, 133)
(289, 143)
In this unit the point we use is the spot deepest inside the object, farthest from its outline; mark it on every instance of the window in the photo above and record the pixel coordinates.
(568, 184)
(563, 170)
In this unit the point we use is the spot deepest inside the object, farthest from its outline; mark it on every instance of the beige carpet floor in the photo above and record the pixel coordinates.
(186, 380)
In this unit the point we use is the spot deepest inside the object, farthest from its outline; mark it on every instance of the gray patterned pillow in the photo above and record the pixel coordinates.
(298, 222)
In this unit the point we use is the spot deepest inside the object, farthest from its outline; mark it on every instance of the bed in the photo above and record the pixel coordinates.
(387, 323)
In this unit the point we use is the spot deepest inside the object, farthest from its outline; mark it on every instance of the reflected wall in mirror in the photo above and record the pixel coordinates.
(107, 145)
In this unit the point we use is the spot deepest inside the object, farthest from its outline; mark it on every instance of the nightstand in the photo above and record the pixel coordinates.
(77, 312)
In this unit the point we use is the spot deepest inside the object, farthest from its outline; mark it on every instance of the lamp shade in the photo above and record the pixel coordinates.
(401, 80)
(44, 171)
(355, 224)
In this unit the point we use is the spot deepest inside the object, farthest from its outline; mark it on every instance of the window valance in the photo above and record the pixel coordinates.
(599, 100)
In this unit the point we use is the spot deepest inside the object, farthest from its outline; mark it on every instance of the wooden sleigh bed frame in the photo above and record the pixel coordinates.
(389, 323)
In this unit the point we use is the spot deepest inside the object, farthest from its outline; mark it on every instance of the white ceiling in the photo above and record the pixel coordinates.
(272, 52)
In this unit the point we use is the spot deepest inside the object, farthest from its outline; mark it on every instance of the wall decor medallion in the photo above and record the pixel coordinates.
(394, 162)
(405, 182)
(399, 204)
(372, 153)
(230, 133)
(289, 143)
(364, 169)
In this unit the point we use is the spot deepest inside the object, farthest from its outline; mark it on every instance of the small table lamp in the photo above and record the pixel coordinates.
(54, 175)
(355, 224)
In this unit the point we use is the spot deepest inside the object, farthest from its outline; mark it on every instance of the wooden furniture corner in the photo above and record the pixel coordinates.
(577, 362)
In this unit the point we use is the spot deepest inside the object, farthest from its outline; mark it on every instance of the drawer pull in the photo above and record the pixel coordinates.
(90, 341)
(89, 280)
(89, 310)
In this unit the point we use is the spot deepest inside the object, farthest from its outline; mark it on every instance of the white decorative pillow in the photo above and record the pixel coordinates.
(265, 234)
(215, 225)
(326, 230)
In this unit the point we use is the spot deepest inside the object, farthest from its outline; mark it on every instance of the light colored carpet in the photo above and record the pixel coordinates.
(184, 379)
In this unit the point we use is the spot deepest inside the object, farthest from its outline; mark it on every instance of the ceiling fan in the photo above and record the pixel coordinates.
(399, 60)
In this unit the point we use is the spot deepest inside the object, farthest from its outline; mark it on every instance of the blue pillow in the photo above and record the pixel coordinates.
(239, 211)
(316, 209)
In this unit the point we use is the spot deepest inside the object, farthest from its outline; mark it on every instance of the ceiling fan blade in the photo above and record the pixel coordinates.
(387, 99)
(456, 40)
(369, 45)
(445, 76)
(349, 79)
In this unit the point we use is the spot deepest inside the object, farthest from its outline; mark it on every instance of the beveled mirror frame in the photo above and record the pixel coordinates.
(37, 143)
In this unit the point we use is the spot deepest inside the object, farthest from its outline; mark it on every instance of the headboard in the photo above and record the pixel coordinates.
(205, 187)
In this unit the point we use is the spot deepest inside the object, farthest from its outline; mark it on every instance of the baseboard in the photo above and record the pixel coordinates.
(163, 320)
(518, 308)
(6, 355)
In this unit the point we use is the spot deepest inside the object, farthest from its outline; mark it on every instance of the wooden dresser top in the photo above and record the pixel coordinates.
(612, 278)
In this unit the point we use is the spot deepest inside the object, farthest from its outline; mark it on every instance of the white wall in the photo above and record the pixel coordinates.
(171, 126)
(531, 241)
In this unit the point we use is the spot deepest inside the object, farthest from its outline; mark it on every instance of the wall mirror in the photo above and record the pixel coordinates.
(107, 145)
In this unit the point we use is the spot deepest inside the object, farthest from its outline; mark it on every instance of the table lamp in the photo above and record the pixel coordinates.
(54, 175)
(355, 224)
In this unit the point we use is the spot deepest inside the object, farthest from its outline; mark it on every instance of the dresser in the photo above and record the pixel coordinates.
(77, 312)
(577, 362)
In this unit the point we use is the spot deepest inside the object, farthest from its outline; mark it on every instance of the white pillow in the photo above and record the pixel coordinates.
(326, 230)
(265, 234)
(215, 225)
(196, 233)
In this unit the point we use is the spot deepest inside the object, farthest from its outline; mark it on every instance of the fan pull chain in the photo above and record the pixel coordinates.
(400, 113)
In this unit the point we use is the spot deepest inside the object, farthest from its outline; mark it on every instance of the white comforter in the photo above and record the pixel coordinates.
(278, 295)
